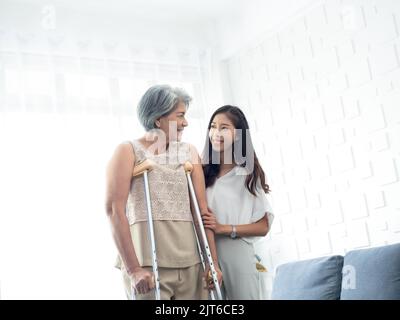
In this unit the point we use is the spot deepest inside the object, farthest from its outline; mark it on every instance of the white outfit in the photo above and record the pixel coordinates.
(233, 204)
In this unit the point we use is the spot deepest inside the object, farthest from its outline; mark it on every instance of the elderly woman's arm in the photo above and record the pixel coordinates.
(119, 174)
(200, 190)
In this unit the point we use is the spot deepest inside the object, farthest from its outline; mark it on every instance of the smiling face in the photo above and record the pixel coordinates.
(221, 133)
(174, 123)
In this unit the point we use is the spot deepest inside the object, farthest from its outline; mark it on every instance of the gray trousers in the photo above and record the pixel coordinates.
(241, 280)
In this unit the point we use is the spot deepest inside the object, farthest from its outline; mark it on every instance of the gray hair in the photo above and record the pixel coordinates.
(158, 101)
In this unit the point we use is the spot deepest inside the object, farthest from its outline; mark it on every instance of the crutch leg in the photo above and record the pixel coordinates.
(201, 256)
(188, 170)
(144, 168)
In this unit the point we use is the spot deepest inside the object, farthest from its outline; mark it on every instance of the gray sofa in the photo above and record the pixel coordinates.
(372, 273)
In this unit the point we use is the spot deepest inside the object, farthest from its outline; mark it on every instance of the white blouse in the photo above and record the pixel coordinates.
(233, 204)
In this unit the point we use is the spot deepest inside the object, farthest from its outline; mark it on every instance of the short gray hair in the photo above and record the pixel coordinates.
(158, 101)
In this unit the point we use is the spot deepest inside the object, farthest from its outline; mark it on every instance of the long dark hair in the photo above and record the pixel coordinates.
(243, 155)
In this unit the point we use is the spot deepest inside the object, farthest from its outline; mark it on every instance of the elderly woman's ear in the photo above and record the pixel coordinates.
(158, 123)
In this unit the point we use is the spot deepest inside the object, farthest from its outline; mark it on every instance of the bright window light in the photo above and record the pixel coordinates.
(37, 82)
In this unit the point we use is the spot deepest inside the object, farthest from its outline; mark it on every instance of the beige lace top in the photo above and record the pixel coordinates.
(169, 192)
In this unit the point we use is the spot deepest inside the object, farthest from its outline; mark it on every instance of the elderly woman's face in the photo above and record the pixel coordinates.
(174, 124)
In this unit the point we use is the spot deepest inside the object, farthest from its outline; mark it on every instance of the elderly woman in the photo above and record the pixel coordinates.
(161, 111)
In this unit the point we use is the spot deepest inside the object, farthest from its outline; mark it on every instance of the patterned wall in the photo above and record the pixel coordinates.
(323, 95)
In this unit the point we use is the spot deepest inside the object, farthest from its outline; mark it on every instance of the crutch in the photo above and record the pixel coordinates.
(203, 263)
(188, 170)
(143, 168)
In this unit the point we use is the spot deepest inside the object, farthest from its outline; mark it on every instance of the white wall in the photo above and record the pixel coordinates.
(253, 21)
(323, 94)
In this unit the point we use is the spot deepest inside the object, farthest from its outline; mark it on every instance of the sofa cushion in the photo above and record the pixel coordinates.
(372, 273)
(315, 279)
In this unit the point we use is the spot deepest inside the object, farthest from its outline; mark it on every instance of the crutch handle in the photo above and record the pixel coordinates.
(146, 165)
(188, 167)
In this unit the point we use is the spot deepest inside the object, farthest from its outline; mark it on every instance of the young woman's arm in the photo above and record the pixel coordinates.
(119, 174)
(259, 228)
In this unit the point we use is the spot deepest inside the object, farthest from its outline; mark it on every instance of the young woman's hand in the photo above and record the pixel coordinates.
(210, 221)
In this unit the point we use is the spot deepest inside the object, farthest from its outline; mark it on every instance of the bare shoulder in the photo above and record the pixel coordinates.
(123, 156)
(191, 147)
(194, 154)
(125, 149)
(119, 173)
(196, 158)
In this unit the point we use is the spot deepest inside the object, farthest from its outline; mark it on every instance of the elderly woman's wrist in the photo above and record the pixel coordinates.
(130, 271)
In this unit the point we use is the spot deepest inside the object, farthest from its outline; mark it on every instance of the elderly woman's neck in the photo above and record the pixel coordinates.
(155, 143)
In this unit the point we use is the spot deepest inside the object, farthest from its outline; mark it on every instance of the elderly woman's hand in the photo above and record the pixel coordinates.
(142, 280)
(208, 277)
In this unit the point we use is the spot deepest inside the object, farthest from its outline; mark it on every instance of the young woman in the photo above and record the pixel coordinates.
(239, 212)
(161, 111)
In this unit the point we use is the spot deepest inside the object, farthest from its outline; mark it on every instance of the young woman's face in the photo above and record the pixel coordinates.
(222, 133)
(174, 123)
